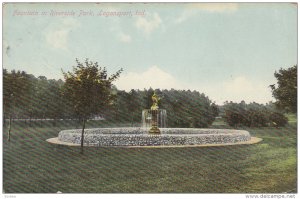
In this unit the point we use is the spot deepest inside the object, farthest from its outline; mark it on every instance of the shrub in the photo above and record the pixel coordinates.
(278, 119)
(234, 114)
(255, 118)
(252, 115)
(233, 118)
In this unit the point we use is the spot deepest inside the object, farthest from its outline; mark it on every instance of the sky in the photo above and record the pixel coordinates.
(228, 51)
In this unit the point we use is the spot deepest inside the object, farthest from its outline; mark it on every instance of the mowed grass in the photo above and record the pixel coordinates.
(292, 118)
(31, 165)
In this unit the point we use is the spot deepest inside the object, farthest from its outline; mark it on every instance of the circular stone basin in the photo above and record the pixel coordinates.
(141, 137)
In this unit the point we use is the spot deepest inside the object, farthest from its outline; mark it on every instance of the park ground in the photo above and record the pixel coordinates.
(31, 165)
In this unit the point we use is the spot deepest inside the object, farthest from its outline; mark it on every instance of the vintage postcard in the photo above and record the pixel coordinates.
(150, 98)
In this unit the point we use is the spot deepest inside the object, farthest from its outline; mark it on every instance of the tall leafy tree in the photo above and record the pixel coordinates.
(120, 107)
(16, 89)
(286, 91)
(133, 105)
(54, 89)
(42, 97)
(88, 88)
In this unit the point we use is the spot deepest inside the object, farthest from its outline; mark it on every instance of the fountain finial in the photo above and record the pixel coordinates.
(155, 100)
(154, 114)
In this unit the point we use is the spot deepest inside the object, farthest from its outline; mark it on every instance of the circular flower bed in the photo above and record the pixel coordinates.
(141, 137)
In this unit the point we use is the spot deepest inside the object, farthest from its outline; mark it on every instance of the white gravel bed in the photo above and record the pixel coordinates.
(141, 137)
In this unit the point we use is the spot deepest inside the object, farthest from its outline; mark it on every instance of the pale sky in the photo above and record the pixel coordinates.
(228, 51)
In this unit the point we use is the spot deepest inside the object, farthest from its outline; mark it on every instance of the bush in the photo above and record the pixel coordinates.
(252, 115)
(255, 118)
(234, 114)
(278, 119)
(233, 118)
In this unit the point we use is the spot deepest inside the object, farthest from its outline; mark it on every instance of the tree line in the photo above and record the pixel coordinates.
(253, 115)
(28, 97)
(88, 91)
(185, 108)
(272, 114)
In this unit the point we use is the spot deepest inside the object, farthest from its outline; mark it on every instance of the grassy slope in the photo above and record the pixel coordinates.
(32, 165)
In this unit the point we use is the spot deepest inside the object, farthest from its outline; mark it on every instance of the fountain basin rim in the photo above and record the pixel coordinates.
(158, 135)
(140, 136)
(144, 131)
(253, 140)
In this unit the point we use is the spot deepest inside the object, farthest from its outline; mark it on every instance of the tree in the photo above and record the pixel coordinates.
(278, 119)
(187, 109)
(286, 91)
(215, 109)
(133, 105)
(234, 113)
(16, 89)
(120, 107)
(55, 100)
(252, 115)
(89, 90)
(42, 97)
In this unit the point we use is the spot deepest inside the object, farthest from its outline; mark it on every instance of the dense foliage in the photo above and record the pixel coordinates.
(26, 96)
(253, 115)
(188, 108)
(286, 91)
(184, 108)
(88, 88)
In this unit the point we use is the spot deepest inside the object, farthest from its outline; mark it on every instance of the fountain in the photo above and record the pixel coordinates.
(154, 133)
(161, 118)
(154, 117)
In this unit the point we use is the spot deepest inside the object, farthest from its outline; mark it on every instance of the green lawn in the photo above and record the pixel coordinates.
(32, 165)
(292, 118)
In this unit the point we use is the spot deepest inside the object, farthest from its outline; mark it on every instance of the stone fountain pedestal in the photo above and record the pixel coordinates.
(154, 129)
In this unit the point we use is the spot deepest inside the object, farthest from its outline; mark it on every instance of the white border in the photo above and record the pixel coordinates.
(131, 196)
